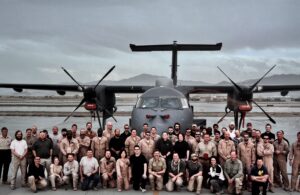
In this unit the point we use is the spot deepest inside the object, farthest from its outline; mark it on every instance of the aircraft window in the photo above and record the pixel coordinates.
(148, 102)
(184, 103)
(173, 103)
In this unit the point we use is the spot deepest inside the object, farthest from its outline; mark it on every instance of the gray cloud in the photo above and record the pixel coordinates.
(87, 37)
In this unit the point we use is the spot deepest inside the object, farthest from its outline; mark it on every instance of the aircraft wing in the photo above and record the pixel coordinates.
(206, 89)
(61, 89)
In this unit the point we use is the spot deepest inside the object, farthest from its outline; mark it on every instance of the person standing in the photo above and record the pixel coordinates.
(246, 153)
(266, 150)
(69, 145)
(225, 147)
(84, 143)
(281, 148)
(233, 171)
(131, 142)
(99, 146)
(29, 157)
(36, 175)
(89, 171)
(157, 168)
(108, 131)
(205, 150)
(56, 138)
(147, 146)
(259, 177)
(269, 133)
(43, 149)
(138, 164)
(294, 158)
(116, 144)
(71, 168)
(182, 148)
(89, 132)
(19, 150)
(5, 141)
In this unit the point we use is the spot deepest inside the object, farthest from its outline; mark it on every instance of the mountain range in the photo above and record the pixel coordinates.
(149, 80)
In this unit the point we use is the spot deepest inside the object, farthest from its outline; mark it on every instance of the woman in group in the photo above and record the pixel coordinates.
(56, 173)
(123, 171)
(216, 176)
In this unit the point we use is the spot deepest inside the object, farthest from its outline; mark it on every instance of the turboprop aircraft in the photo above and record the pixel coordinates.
(165, 103)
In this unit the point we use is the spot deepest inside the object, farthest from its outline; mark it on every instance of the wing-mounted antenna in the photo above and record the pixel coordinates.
(175, 48)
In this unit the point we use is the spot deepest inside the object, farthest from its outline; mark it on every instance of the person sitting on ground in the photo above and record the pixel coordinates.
(56, 173)
(71, 168)
(36, 175)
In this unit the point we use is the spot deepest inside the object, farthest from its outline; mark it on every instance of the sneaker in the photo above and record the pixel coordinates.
(95, 188)
(53, 189)
(12, 187)
(75, 189)
(142, 189)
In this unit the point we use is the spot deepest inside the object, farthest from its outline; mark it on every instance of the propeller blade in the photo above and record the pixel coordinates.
(112, 116)
(111, 69)
(236, 85)
(82, 101)
(255, 84)
(81, 87)
(221, 119)
(270, 118)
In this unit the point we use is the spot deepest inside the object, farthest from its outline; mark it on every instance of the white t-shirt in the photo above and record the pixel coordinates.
(19, 146)
(89, 164)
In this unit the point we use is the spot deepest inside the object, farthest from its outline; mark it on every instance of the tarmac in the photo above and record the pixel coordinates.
(5, 190)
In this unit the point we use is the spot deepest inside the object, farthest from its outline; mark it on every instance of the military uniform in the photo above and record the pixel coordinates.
(234, 170)
(267, 151)
(108, 166)
(280, 162)
(225, 147)
(295, 158)
(130, 143)
(69, 146)
(154, 167)
(147, 148)
(99, 146)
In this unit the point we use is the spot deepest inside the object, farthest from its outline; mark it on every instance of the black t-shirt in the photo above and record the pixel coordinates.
(36, 171)
(116, 143)
(270, 134)
(137, 164)
(181, 148)
(42, 148)
(164, 146)
(193, 168)
(255, 171)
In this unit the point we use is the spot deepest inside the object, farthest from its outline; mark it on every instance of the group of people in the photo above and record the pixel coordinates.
(195, 157)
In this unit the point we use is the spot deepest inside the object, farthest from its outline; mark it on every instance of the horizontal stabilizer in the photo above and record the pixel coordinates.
(177, 47)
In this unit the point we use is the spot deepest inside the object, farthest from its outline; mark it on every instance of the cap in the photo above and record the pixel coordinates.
(194, 155)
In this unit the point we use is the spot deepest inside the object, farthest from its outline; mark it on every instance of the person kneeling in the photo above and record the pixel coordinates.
(108, 170)
(194, 174)
(259, 177)
(176, 171)
(233, 171)
(89, 171)
(36, 175)
(157, 169)
(55, 174)
(71, 171)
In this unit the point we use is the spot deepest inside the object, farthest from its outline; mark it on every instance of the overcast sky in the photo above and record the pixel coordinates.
(88, 37)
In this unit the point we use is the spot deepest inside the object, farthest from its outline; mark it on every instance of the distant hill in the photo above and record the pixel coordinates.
(149, 80)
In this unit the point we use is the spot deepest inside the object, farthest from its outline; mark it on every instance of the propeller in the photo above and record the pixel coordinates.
(90, 95)
(243, 93)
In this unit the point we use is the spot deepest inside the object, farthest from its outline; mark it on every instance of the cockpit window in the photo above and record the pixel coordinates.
(162, 102)
(173, 103)
(148, 102)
